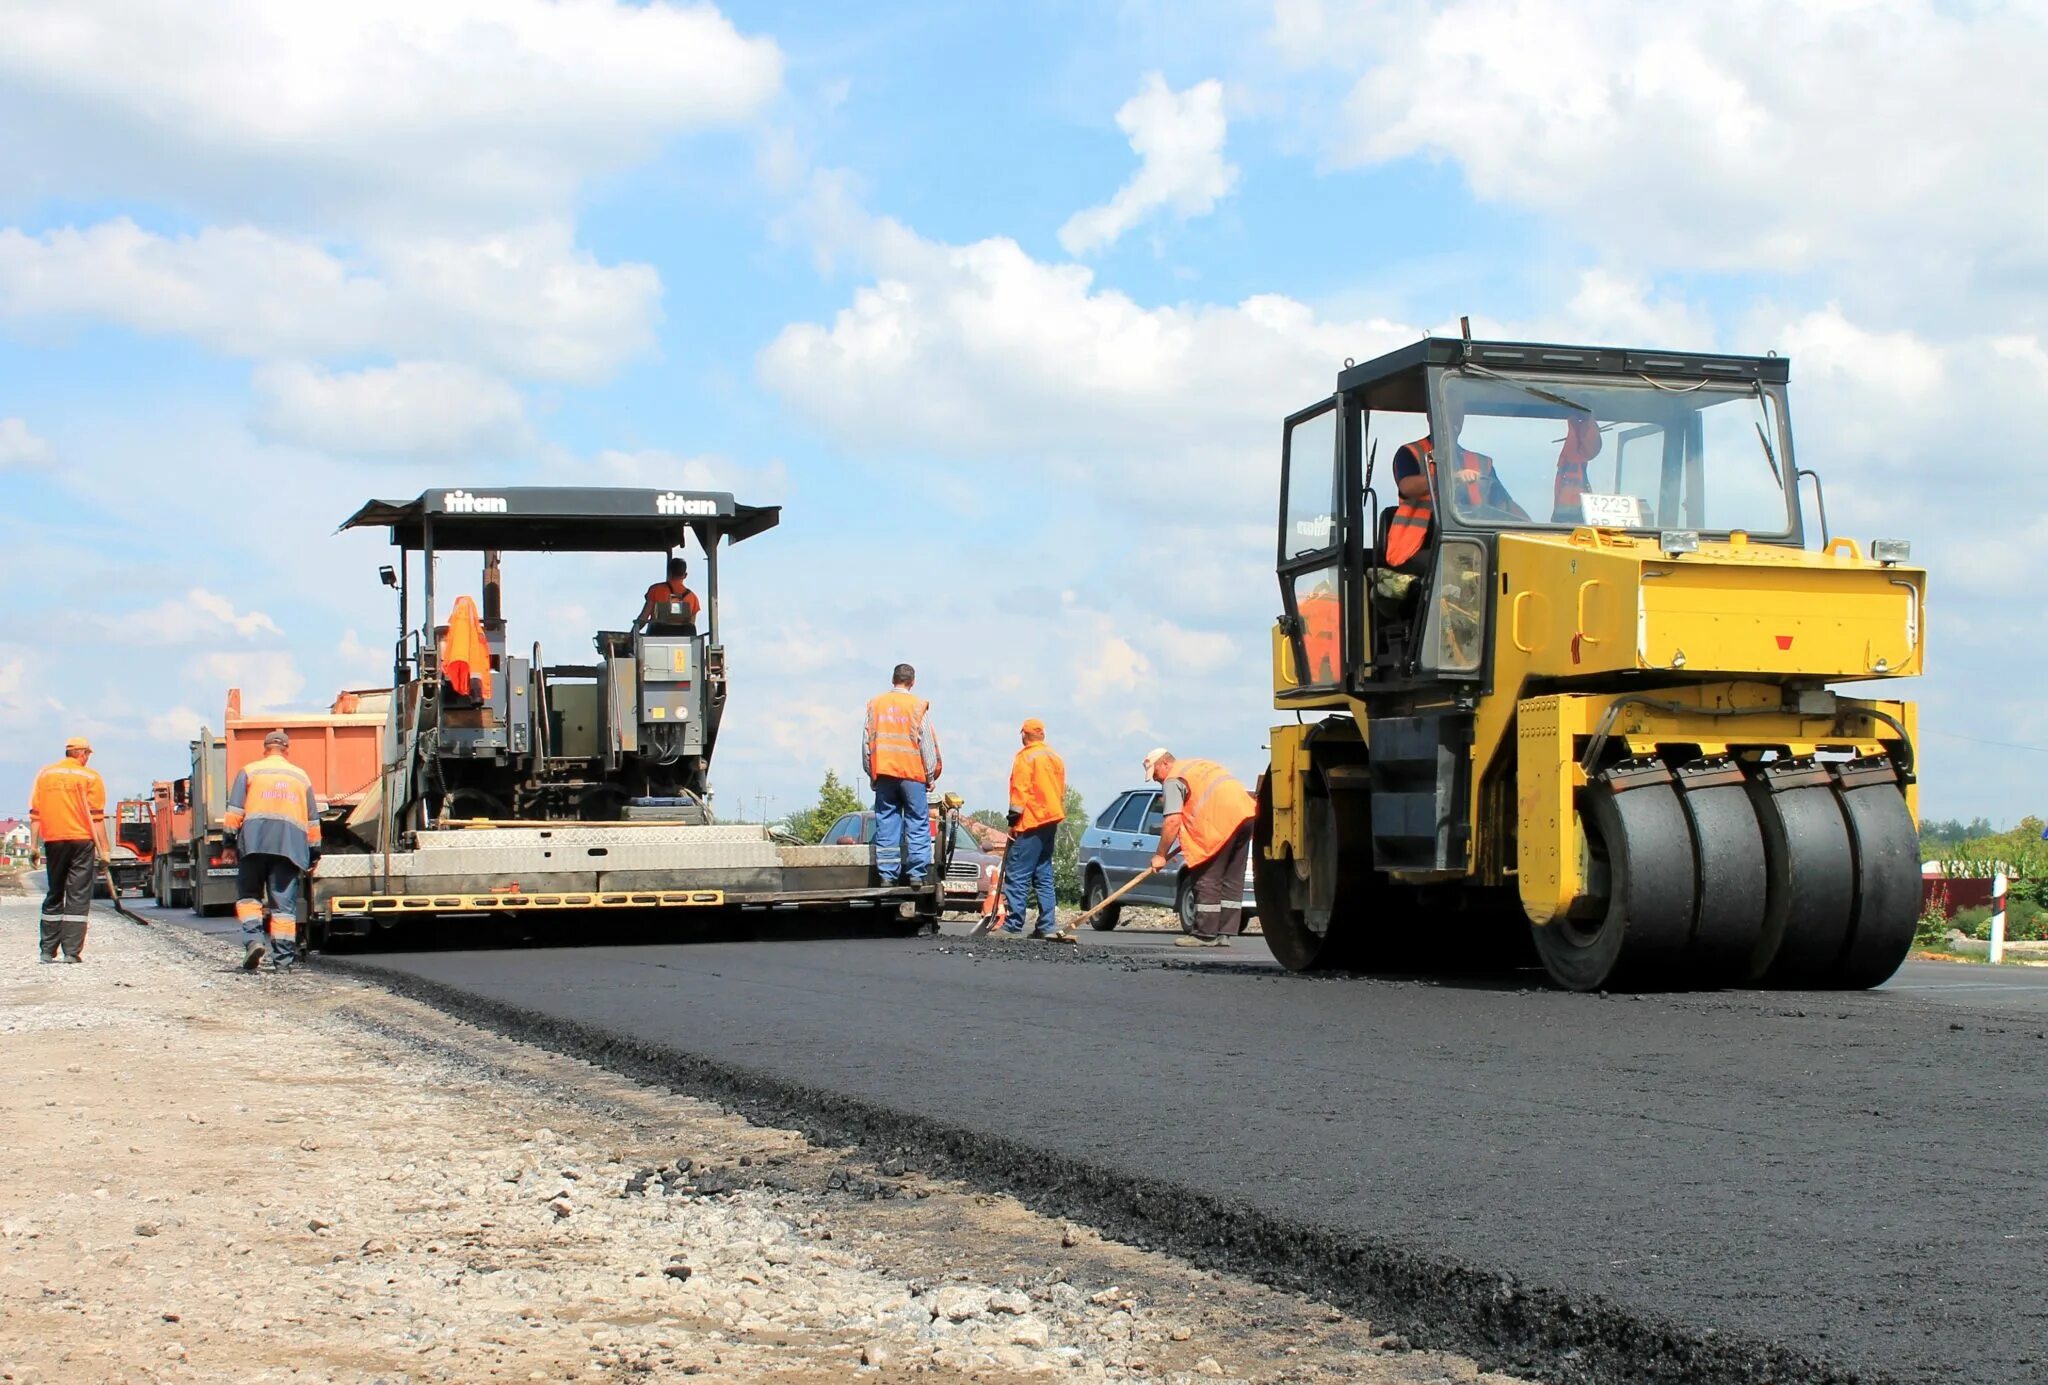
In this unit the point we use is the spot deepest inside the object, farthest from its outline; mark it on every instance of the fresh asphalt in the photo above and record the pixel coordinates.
(1851, 1184)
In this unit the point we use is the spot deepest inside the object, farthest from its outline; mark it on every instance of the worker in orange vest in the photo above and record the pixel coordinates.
(1475, 486)
(899, 753)
(67, 815)
(1038, 805)
(275, 818)
(658, 622)
(1210, 814)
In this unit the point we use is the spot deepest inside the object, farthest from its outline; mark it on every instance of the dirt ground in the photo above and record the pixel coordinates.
(217, 1176)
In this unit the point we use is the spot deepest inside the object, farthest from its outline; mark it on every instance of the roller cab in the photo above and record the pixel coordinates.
(1591, 717)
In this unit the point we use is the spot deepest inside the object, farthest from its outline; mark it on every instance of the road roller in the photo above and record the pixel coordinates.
(1558, 660)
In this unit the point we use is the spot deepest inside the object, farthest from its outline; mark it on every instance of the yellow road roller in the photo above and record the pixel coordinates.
(1556, 653)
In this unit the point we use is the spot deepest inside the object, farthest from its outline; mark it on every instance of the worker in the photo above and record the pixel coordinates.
(274, 818)
(1209, 814)
(1038, 806)
(654, 619)
(899, 753)
(67, 817)
(1478, 487)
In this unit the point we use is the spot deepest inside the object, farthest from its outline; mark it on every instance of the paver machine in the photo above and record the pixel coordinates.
(516, 785)
(1591, 714)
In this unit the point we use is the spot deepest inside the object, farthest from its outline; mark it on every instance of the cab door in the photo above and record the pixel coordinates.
(1315, 602)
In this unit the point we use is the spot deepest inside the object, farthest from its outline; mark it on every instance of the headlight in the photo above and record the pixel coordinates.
(1677, 541)
(1890, 551)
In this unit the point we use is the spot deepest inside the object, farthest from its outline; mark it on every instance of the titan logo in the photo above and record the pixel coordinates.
(463, 503)
(673, 504)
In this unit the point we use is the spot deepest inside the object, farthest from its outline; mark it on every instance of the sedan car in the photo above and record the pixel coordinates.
(970, 872)
(1120, 844)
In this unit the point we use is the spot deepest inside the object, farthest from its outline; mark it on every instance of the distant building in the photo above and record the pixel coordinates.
(13, 836)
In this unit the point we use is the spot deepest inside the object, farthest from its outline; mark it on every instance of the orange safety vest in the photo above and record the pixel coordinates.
(68, 802)
(1581, 446)
(1412, 518)
(1217, 805)
(1038, 786)
(274, 787)
(676, 591)
(465, 653)
(1320, 620)
(896, 736)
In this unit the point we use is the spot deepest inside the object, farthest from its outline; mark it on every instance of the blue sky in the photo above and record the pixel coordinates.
(1004, 308)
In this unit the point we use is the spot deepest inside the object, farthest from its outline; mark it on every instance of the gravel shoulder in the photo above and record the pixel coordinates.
(211, 1175)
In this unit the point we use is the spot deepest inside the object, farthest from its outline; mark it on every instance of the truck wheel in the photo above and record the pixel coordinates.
(1093, 894)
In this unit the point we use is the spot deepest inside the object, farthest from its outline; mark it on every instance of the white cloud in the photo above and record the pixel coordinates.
(268, 681)
(981, 350)
(524, 301)
(195, 617)
(180, 723)
(21, 448)
(1846, 138)
(412, 409)
(764, 484)
(377, 110)
(1178, 137)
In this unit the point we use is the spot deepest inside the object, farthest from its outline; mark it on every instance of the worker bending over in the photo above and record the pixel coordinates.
(899, 753)
(1038, 805)
(1210, 814)
(275, 818)
(67, 815)
(658, 621)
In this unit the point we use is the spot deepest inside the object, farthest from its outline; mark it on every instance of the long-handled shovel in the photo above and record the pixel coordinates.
(114, 895)
(1067, 932)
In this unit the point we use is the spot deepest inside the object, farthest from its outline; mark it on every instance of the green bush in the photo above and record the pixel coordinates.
(1973, 922)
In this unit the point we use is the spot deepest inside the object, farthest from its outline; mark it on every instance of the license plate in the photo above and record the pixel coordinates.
(220, 870)
(133, 892)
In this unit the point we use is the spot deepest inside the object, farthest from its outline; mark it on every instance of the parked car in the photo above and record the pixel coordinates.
(1120, 844)
(970, 874)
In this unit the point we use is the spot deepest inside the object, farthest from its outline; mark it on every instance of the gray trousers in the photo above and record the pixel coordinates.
(1219, 887)
(66, 908)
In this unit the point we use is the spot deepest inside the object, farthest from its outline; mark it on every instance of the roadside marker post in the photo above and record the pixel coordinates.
(1997, 918)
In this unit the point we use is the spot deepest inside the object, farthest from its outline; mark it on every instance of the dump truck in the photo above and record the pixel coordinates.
(513, 785)
(195, 864)
(1590, 719)
(131, 849)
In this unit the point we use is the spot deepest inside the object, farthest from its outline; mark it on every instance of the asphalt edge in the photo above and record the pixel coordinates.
(1535, 1331)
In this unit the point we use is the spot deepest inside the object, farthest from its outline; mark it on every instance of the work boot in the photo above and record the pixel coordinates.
(252, 958)
(73, 957)
(1197, 940)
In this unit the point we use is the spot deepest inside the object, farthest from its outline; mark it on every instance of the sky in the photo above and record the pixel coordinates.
(1002, 306)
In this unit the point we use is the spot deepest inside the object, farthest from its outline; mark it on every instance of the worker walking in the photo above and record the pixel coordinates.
(67, 814)
(1038, 806)
(275, 818)
(1210, 814)
(899, 753)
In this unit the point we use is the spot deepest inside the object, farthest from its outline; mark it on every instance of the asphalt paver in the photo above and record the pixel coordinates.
(1855, 1179)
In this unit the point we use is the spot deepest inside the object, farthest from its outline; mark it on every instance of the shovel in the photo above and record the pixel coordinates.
(1066, 933)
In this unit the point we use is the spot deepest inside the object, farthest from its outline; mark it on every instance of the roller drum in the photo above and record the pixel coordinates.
(1641, 938)
(1728, 854)
(1810, 872)
(1887, 854)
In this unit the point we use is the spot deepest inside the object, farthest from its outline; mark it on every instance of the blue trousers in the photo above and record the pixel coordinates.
(1030, 869)
(276, 877)
(903, 830)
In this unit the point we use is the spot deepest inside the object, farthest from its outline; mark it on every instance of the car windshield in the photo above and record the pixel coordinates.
(1637, 455)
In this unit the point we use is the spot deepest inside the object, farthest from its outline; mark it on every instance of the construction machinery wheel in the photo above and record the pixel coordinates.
(1887, 852)
(1642, 845)
(1097, 890)
(1728, 856)
(1312, 911)
(1810, 876)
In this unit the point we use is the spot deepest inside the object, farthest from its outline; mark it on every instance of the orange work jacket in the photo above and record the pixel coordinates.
(273, 807)
(675, 591)
(1412, 518)
(68, 803)
(1320, 636)
(1038, 786)
(465, 653)
(898, 744)
(1581, 446)
(1217, 805)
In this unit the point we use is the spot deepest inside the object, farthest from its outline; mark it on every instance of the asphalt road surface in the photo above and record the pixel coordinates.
(1858, 1181)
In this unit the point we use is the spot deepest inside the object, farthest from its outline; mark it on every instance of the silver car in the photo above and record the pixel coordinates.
(1119, 845)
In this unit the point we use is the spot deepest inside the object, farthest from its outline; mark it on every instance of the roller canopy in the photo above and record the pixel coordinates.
(564, 519)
